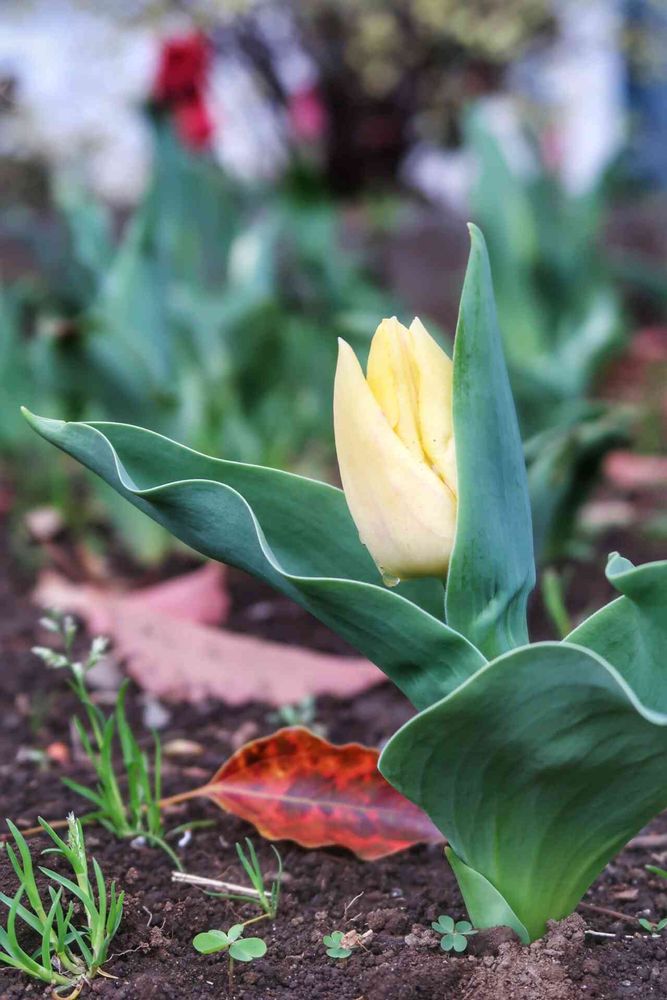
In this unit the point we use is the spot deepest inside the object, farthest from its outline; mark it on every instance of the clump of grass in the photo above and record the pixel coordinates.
(70, 953)
(266, 899)
(127, 800)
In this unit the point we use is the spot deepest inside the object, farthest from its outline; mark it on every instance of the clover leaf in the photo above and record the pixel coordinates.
(454, 935)
(332, 942)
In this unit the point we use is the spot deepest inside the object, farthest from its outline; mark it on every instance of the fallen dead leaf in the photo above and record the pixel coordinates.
(628, 894)
(44, 523)
(629, 471)
(198, 596)
(182, 748)
(175, 659)
(58, 752)
(353, 939)
(294, 785)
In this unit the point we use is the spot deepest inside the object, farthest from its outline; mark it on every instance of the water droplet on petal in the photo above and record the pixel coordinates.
(389, 580)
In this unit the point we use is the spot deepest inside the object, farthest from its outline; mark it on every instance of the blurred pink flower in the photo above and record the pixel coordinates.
(307, 114)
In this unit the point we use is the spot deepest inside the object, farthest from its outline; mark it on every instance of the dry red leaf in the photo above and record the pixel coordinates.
(294, 785)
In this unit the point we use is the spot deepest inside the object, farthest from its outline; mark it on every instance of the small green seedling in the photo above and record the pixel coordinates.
(267, 900)
(662, 872)
(300, 713)
(238, 948)
(137, 814)
(333, 944)
(454, 935)
(69, 954)
(651, 927)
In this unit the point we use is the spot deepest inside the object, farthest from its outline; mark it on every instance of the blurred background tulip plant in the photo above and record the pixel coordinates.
(304, 172)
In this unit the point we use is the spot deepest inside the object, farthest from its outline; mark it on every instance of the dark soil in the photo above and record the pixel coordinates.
(395, 899)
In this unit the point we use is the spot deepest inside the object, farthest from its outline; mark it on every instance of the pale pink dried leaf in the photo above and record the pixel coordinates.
(179, 660)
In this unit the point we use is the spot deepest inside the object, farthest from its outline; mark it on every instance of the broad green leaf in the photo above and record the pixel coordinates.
(537, 770)
(294, 533)
(631, 632)
(492, 569)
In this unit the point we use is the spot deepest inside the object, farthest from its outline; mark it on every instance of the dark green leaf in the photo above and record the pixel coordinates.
(294, 533)
(492, 568)
(631, 632)
(537, 770)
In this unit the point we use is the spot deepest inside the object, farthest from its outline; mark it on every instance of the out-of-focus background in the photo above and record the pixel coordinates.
(198, 198)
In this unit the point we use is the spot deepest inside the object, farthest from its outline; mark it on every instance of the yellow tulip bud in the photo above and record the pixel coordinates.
(395, 446)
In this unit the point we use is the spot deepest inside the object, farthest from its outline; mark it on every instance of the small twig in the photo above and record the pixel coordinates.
(214, 883)
(34, 831)
(348, 905)
(606, 912)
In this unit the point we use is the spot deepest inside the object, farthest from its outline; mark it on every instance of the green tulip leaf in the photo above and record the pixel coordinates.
(538, 769)
(294, 533)
(482, 900)
(631, 632)
(492, 568)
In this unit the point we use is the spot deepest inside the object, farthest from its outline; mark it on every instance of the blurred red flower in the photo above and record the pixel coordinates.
(183, 68)
(180, 86)
(194, 123)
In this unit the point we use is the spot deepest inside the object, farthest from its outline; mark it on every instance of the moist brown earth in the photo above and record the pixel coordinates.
(396, 898)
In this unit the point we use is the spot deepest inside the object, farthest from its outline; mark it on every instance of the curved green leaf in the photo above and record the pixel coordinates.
(492, 569)
(484, 903)
(294, 533)
(631, 632)
(538, 770)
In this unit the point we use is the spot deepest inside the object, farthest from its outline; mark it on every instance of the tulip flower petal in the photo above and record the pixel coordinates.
(434, 372)
(392, 379)
(405, 515)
